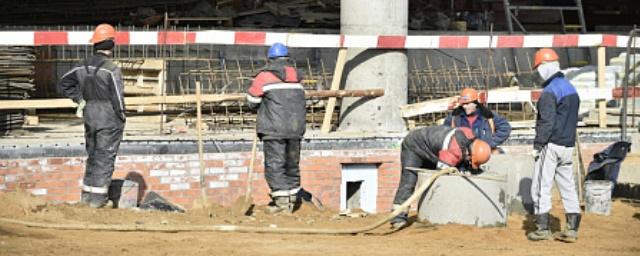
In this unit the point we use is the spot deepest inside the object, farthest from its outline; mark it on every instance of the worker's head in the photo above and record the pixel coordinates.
(278, 50)
(103, 37)
(479, 152)
(546, 62)
(469, 100)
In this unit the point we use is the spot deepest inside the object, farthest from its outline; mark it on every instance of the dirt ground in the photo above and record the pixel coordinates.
(618, 234)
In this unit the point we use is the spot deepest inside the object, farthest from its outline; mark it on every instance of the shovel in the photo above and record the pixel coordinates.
(245, 207)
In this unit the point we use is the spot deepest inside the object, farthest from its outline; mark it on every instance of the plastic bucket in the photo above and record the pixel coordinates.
(597, 195)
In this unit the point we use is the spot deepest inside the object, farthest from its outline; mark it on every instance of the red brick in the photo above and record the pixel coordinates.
(156, 166)
(213, 163)
(53, 184)
(55, 161)
(158, 187)
(26, 185)
(72, 168)
(71, 197)
(55, 191)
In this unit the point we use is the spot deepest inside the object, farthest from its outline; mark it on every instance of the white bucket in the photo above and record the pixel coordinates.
(597, 195)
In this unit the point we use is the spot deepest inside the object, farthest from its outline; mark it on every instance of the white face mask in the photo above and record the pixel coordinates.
(548, 69)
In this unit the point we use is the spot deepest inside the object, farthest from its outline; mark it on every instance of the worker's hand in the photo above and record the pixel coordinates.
(536, 154)
(80, 108)
(454, 102)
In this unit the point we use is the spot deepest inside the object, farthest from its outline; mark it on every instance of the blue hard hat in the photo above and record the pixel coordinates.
(278, 50)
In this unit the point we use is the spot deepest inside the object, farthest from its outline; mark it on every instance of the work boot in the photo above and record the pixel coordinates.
(401, 220)
(570, 234)
(84, 197)
(542, 225)
(97, 200)
(280, 202)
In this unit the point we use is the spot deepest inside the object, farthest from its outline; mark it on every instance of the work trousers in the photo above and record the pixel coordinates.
(554, 162)
(103, 134)
(281, 164)
(409, 178)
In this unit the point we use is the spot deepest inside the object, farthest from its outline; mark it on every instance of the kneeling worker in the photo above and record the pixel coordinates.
(436, 147)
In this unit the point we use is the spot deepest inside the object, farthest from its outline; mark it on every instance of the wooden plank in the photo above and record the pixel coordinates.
(335, 85)
(602, 104)
(444, 104)
(206, 98)
(203, 194)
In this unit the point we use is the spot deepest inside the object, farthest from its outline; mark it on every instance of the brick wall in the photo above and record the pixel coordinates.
(177, 177)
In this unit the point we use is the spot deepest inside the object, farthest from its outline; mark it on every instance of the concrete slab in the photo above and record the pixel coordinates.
(519, 172)
(465, 200)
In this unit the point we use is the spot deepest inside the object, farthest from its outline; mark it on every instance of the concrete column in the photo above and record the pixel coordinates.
(374, 68)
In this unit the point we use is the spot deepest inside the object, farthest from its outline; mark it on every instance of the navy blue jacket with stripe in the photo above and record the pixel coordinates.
(557, 113)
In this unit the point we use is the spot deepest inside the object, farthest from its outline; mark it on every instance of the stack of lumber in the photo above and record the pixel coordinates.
(16, 82)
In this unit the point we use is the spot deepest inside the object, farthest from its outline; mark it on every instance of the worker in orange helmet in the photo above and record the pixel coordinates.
(486, 125)
(96, 85)
(553, 146)
(436, 147)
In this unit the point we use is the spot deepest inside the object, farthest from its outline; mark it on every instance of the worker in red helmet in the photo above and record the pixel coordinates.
(486, 125)
(436, 147)
(96, 85)
(278, 95)
(553, 149)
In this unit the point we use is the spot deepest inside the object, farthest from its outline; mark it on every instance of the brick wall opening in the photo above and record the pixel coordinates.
(359, 188)
(353, 194)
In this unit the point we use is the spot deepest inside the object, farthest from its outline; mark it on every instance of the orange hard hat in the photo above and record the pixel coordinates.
(480, 153)
(468, 95)
(545, 55)
(103, 32)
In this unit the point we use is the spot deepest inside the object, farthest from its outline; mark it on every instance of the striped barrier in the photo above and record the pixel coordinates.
(306, 40)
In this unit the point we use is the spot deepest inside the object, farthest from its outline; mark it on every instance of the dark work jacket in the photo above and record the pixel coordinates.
(557, 113)
(429, 143)
(481, 127)
(98, 81)
(279, 96)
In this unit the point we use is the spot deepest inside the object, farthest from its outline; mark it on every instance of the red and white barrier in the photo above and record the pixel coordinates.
(227, 37)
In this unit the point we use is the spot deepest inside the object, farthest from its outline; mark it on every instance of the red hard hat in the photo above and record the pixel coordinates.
(545, 55)
(480, 153)
(103, 32)
(468, 95)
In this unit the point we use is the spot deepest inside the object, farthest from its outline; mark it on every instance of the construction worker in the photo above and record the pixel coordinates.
(279, 97)
(553, 148)
(485, 124)
(96, 85)
(436, 147)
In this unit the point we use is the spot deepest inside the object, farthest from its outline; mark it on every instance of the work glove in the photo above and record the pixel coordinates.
(536, 154)
(80, 108)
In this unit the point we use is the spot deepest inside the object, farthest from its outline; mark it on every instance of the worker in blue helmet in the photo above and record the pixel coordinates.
(278, 50)
(278, 95)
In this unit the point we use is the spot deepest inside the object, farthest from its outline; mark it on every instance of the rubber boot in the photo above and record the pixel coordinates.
(280, 202)
(570, 234)
(542, 225)
(97, 200)
(84, 197)
(401, 220)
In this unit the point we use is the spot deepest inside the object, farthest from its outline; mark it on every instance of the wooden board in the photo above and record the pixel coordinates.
(149, 100)
(335, 85)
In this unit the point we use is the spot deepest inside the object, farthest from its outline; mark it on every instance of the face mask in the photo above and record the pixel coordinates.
(546, 70)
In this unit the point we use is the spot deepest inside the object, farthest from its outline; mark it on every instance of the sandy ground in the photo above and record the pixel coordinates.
(618, 234)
